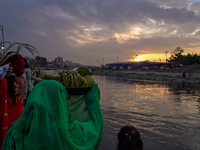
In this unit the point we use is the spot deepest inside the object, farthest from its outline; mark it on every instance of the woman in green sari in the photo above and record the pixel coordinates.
(50, 122)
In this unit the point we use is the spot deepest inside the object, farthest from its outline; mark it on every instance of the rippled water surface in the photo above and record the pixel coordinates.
(167, 115)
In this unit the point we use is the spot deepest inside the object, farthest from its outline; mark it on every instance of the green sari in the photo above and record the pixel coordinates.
(51, 122)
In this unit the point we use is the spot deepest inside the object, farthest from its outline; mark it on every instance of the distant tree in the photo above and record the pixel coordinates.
(42, 60)
(188, 59)
(192, 59)
(176, 55)
(34, 64)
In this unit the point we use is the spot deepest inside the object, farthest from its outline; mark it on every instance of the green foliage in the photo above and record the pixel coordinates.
(83, 71)
(42, 60)
(177, 55)
(188, 59)
(34, 64)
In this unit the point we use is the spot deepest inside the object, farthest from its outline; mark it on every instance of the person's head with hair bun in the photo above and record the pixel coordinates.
(129, 139)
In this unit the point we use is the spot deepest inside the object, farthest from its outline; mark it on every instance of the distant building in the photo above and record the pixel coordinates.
(141, 65)
(59, 60)
(67, 63)
(168, 65)
(129, 65)
(50, 64)
(77, 65)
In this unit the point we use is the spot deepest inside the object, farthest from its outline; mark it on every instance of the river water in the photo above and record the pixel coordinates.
(167, 115)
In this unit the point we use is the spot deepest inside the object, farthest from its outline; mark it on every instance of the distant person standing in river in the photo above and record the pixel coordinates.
(190, 75)
(184, 74)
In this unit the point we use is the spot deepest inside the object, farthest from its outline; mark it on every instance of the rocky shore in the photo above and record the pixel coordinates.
(156, 75)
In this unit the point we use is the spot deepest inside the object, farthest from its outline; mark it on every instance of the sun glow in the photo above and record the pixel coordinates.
(136, 59)
(150, 57)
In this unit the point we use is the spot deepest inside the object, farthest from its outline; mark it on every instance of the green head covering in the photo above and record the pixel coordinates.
(49, 122)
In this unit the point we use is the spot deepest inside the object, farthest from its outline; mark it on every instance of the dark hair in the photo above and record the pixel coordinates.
(26, 65)
(25, 60)
(129, 139)
(11, 87)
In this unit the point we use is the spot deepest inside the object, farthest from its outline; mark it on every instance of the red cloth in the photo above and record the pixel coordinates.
(15, 107)
(15, 110)
(17, 62)
(3, 111)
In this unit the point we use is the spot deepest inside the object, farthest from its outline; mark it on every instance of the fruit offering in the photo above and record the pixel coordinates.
(90, 80)
(79, 78)
(73, 79)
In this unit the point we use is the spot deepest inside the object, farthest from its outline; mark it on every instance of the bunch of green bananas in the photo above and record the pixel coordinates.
(37, 80)
(73, 79)
(46, 77)
(52, 77)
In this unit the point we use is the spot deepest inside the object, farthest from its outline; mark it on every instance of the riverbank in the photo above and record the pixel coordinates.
(157, 75)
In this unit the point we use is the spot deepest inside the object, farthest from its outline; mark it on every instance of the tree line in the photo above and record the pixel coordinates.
(187, 59)
(37, 62)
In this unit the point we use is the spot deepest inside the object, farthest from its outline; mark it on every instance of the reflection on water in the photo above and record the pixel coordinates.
(166, 114)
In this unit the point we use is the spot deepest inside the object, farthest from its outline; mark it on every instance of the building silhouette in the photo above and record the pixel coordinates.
(59, 60)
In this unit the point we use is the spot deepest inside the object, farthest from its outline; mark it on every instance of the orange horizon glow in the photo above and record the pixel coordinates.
(150, 57)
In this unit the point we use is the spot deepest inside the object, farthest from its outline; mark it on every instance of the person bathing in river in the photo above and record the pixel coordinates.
(129, 139)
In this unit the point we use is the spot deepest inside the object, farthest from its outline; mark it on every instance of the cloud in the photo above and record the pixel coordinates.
(170, 3)
(197, 33)
(195, 7)
(84, 31)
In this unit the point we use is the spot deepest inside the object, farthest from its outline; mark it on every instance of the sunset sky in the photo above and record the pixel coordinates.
(90, 31)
